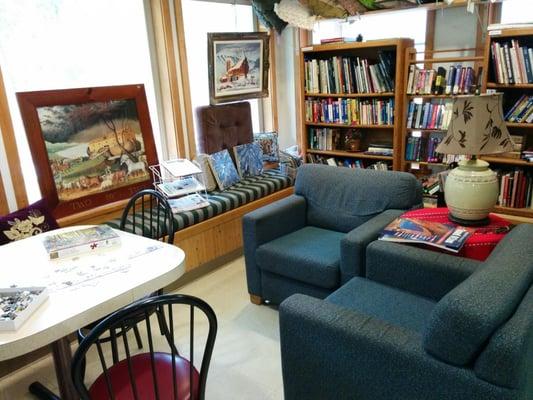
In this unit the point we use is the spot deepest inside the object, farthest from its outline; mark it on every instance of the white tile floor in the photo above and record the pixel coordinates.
(246, 360)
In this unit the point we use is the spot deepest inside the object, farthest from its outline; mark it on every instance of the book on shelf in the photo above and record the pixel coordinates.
(347, 162)
(512, 62)
(179, 187)
(180, 167)
(349, 75)
(429, 115)
(454, 80)
(324, 138)
(521, 111)
(412, 230)
(350, 111)
(188, 203)
(85, 240)
(516, 188)
(421, 148)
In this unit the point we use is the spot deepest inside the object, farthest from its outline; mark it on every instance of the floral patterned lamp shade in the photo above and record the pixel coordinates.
(477, 127)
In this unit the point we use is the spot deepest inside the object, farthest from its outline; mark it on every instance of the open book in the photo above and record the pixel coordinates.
(411, 230)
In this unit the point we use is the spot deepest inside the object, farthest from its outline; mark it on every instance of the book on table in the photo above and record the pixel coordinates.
(412, 230)
(80, 241)
(188, 203)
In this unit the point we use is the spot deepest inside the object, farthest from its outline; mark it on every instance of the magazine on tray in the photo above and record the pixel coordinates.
(71, 243)
(187, 203)
(411, 230)
(179, 187)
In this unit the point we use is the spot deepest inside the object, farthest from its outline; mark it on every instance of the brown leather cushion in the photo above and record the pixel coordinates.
(223, 127)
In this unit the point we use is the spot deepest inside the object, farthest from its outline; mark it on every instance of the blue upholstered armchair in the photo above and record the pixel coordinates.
(421, 326)
(314, 241)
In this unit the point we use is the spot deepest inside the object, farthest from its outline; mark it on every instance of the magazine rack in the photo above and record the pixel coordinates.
(182, 183)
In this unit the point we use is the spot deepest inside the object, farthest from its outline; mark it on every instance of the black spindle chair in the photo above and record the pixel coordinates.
(148, 375)
(147, 214)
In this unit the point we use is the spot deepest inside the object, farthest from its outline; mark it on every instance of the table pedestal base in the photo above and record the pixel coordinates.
(62, 359)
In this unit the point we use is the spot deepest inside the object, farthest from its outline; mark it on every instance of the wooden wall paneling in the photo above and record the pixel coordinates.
(4, 207)
(10, 146)
(430, 36)
(185, 83)
(273, 82)
(168, 74)
(303, 39)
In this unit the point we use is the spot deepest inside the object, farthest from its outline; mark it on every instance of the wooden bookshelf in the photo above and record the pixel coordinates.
(511, 92)
(349, 154)
(350, 95)
(434, 59)
(370, 133)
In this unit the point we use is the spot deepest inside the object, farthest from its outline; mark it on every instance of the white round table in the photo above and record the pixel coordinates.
(82, 289)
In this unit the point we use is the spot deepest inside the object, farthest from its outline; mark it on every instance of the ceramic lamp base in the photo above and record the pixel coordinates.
(471, 191)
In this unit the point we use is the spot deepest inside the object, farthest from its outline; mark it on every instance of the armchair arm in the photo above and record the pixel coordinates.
(268, 223)
(353, 245)
(424, 272)
(330, 352)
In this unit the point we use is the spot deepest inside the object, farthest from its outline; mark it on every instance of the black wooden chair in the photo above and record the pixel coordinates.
(155, 374)
(148, 214)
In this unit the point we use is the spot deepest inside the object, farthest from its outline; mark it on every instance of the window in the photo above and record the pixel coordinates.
(201, 17)
(58, 44)
(516, 11)
(376, 26)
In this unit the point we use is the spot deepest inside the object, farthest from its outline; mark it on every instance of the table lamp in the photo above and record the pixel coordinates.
(476, 128)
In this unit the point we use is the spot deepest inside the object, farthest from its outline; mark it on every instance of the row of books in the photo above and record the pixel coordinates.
(521, 111)
(349, 75)
(429, 115)
(512, 63)
(454, 80)
(348, 162)
(350, 111)
(324, 138)
(516, 189)
(423, 149)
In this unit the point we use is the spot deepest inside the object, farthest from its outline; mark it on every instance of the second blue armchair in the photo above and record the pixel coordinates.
(315, 240)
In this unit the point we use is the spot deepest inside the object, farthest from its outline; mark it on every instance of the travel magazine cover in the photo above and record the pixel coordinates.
(412, 230)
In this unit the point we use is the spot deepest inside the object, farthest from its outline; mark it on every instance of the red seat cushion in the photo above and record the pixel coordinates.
(480, 244)
(142, 371)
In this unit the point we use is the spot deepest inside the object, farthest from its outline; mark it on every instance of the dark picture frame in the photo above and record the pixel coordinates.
(90, 146)
(238, 66)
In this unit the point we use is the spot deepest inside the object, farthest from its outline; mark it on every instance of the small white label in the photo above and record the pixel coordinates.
(495, 33)
(415, 165)
(416, 134)
(309, 48)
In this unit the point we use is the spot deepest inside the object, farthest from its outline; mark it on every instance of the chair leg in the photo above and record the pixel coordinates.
(256, 299)
(83, 362)
(137, 336)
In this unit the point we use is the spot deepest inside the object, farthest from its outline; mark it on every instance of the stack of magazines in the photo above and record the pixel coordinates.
(411, 230)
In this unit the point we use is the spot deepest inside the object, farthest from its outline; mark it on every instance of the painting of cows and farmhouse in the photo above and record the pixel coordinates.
(93, 147)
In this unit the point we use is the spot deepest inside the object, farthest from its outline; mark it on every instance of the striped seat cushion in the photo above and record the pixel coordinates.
(246, 191)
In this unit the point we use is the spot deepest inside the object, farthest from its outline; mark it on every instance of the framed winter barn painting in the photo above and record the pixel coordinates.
(238, 66)
(90, 146)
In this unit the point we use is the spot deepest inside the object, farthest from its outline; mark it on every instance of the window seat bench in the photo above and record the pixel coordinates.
(214, 231)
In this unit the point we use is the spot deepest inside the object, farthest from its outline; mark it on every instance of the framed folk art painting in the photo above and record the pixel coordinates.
(238, 66)
(90, 146)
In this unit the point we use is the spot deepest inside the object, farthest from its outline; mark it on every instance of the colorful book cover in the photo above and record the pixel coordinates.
(412, 230)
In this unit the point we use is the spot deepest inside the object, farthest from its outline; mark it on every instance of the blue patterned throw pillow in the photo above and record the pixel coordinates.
(269, 144)
(223, 169)
(249, 158)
